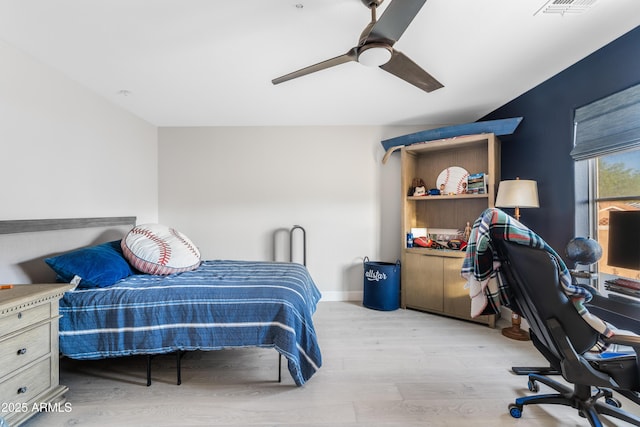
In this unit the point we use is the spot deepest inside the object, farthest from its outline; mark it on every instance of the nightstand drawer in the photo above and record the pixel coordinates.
(28, 384)
(23, 349)
(19, 319)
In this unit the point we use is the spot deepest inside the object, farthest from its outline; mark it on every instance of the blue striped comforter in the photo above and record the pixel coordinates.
(222, 304)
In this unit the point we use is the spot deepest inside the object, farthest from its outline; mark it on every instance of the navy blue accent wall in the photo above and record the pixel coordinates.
(539, 149)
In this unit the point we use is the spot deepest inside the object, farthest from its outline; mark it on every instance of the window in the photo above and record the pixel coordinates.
(607, 174)
(617, 188)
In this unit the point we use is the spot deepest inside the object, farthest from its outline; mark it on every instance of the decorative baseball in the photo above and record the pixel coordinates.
(454, 179)
(158, 249)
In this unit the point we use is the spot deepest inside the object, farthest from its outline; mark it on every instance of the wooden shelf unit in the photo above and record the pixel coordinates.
(431, 278)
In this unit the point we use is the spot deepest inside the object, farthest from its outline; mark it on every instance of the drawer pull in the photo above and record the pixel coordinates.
(22, 351)
(22, 390)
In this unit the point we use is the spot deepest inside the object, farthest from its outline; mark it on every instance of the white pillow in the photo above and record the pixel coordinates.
(158, 249)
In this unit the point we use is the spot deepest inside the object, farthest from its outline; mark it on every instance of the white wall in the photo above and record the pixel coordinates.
(231, 188)
(67, 152)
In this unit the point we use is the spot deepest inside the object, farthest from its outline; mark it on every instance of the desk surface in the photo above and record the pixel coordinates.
(620, 310)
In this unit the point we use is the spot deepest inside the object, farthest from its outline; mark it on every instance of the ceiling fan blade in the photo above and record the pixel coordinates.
(401, 66)
(394, 21)
(342, 59)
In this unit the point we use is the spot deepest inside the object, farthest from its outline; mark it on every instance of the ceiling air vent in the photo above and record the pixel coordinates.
(565, 6)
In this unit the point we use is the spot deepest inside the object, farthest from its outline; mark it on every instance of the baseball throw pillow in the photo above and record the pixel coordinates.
(158, 249)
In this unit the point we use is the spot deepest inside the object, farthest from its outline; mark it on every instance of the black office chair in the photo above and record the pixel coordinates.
(565, 339)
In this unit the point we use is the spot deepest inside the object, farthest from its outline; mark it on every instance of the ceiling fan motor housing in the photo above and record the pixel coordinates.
(371, 3)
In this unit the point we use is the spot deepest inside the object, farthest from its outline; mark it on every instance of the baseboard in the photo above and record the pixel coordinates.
(341, 296)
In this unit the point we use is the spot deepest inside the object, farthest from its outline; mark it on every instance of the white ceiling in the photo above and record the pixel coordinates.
(211, 62)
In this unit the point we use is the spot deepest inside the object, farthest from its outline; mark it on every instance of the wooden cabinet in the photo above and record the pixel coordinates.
(29, 364)
(431, 277)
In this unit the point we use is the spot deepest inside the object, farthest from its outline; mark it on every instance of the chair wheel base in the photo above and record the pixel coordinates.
(515, 410)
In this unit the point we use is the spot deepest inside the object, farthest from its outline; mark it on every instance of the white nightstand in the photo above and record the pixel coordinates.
(29, 359)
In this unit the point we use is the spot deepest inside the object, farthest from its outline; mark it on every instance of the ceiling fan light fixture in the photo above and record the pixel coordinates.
(374, 55)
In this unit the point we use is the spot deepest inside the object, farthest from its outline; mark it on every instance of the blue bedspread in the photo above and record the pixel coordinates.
(222, 304)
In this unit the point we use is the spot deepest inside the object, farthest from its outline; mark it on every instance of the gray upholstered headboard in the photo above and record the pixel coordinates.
(25, 243)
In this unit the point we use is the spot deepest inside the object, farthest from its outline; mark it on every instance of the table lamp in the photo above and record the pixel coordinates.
(517, 193)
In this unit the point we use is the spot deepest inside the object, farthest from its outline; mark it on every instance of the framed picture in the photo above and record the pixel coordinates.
(477, 183)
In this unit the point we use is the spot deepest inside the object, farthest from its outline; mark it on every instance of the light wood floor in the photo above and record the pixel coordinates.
(398, 368)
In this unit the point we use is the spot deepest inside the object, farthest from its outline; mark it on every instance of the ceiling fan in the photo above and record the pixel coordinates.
(375, 47)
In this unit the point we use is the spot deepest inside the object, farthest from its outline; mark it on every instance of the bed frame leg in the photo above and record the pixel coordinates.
(149, 370)
(179, 356)
(279, 367)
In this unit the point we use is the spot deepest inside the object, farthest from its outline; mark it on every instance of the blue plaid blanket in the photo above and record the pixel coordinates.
(222, 304)
(481, 267)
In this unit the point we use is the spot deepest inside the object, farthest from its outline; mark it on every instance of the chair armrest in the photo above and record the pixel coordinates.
(574, 367)
(624, 338)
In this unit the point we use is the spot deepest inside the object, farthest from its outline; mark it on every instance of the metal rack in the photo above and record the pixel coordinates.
(292, 232)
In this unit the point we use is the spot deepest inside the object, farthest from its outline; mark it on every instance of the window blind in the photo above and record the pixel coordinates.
(606, 126)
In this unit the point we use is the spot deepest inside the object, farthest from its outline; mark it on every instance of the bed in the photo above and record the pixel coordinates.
(218, 305)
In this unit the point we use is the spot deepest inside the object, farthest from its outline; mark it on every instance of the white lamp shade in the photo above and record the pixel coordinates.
(517, 193)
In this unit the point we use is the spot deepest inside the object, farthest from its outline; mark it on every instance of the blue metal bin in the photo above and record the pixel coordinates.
(381, 285)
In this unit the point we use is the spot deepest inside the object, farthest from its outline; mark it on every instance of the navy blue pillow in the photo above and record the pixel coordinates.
(97, 266)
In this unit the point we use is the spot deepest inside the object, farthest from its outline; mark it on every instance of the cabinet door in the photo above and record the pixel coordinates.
(422, 281)
(456, 297)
